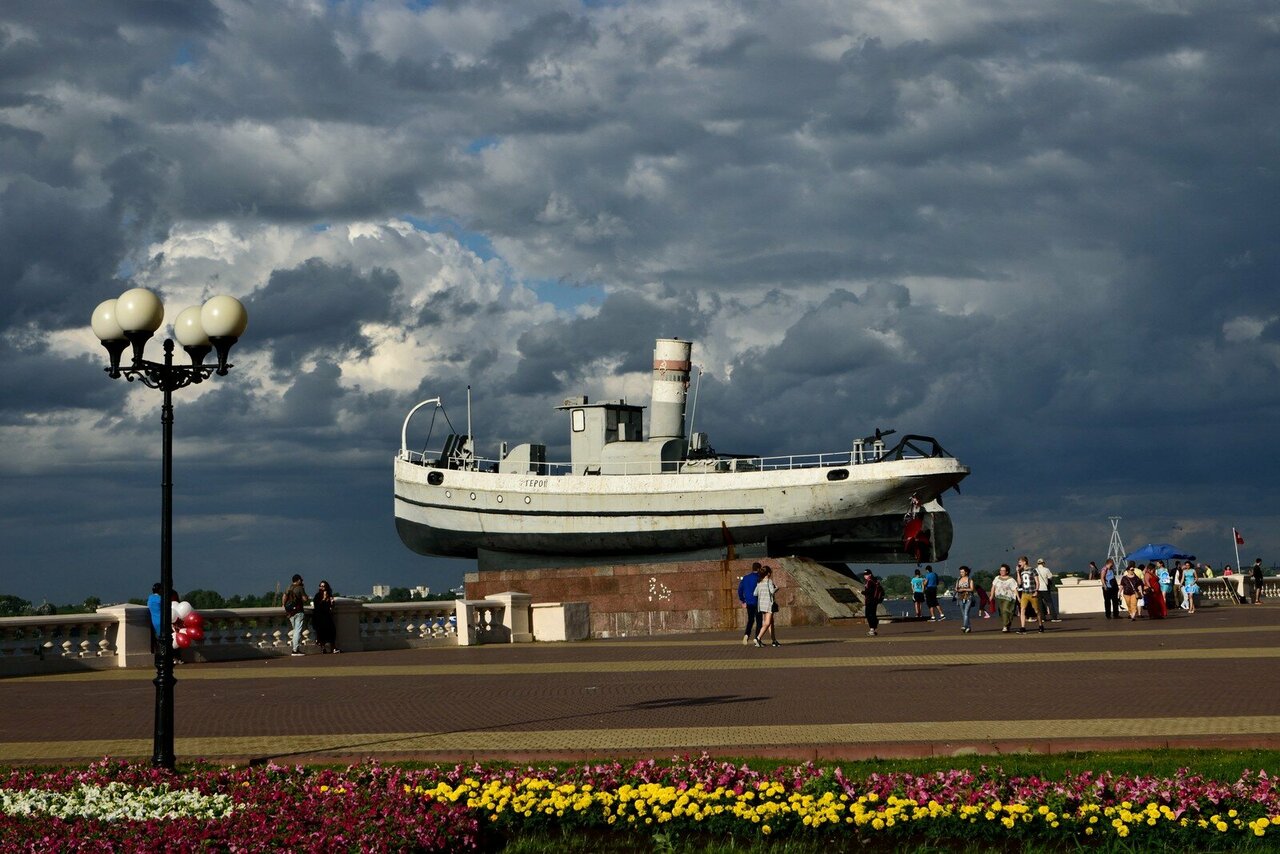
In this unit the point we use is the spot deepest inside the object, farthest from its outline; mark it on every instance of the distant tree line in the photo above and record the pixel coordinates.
(15, 606)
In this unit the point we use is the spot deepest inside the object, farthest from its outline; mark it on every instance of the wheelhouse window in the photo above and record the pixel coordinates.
(578, 418)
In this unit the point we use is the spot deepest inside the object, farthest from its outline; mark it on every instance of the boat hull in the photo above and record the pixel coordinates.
(851, 513)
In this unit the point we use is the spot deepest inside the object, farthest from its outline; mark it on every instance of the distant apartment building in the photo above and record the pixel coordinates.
(382, 591)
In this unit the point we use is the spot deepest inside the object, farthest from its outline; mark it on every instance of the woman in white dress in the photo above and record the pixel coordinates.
(766, 601)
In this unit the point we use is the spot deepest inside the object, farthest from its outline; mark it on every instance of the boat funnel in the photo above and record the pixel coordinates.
(670, 388)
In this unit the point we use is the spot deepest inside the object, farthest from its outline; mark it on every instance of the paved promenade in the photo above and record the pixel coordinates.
(919, 689)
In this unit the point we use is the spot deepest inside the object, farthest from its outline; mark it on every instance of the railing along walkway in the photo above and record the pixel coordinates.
(121, 635)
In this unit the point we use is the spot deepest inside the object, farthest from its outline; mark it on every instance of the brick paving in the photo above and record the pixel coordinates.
(919, 689)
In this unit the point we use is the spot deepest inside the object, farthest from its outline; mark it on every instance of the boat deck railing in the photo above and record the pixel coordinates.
(909, 447)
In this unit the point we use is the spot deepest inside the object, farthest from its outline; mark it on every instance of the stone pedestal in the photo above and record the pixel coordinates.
(346, 624)
(669, 598)
(133, 634)
(561, 621)
(1079, 596)
(515, 617)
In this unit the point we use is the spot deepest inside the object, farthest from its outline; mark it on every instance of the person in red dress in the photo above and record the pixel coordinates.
(1156, 608)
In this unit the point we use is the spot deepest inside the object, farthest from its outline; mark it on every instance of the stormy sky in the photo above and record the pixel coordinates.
(1046, 233)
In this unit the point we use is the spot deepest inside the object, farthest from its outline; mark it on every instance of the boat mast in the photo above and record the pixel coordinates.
(471, 441)
(693, 410)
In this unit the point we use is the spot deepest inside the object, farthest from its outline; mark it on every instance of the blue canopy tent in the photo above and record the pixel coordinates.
(1158, 551)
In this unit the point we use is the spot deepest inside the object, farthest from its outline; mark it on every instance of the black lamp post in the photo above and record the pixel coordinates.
(132, 319)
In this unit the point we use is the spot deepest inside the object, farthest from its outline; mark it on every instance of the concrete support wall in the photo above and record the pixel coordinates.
(672, 598)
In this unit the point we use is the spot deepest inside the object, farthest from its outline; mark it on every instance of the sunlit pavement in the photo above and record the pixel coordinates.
(919, 689)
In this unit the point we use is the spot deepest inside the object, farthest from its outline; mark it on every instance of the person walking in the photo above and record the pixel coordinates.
(1110, 590)
(872, 596)
(1131, 589)
(1044, 583)
(322, 618)
(1165, 584)
(986, 606)
(1189, 587)
(1028, 594)
(766, 601)
(1256, 573)
(1156, 609)
(747, 596)
(917, 593)
(931, 595)
(1005, 590)
(968, 598)
(294, 600)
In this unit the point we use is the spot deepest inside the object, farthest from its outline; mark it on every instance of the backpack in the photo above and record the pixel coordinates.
(292, 600)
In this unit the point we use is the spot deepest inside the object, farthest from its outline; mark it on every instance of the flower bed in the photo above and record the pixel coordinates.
(375, 808)
(135, 808)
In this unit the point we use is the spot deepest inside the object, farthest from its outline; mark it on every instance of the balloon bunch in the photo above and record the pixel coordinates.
(188, 625)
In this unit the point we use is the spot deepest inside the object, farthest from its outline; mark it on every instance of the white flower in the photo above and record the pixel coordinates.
(116, 801)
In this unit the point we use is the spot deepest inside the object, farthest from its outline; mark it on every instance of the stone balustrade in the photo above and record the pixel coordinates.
(1082, 596)
(50, 644)
(120, 635)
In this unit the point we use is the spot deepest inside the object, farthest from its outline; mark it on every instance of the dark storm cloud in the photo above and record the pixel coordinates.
(37, 380)
(1045, 234)
(109, 46)
(555, 355)
(54, 253)
(319, 308)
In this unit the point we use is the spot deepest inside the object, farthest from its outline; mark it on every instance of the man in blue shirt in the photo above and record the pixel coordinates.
(931, 595)
(917, 592)
(153, 605)
(747, 596)
(1110, 590)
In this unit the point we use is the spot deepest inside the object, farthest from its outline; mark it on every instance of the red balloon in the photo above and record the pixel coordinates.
(194, 620)
(194, 632)
(181, 639)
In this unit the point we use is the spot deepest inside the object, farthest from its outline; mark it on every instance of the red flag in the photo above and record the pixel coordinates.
(1239, 539)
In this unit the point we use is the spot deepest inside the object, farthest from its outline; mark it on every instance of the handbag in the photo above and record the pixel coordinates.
(774, 609)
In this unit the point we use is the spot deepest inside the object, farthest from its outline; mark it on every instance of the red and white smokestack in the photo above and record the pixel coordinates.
(670, 388)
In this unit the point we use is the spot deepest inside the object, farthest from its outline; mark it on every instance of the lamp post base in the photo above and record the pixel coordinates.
(162, 754)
